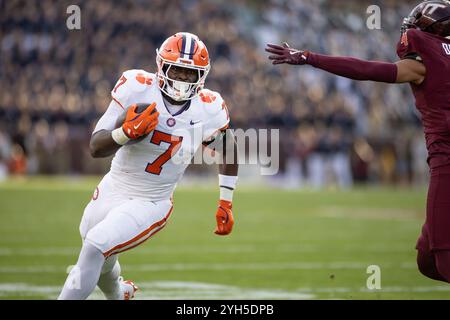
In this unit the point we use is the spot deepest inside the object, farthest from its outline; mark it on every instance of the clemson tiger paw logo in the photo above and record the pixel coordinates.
(207, 97)
(142, 79)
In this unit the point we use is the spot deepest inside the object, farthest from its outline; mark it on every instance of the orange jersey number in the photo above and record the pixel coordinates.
(122, 80)
(175, 143)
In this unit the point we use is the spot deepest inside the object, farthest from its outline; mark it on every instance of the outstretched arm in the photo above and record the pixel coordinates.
(403, 71)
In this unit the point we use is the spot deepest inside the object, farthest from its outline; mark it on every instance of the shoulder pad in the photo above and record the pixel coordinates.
(409, 43)
(212, 100)
(138, 80)
(130, 83)
(413, 34)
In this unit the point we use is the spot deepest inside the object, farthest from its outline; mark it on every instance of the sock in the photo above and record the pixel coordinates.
(109, 279)
(83, 278)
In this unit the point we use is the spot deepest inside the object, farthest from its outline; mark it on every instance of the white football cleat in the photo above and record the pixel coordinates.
(128, 288)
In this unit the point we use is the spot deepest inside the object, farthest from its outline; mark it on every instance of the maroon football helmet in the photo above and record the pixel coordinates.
(430, 16)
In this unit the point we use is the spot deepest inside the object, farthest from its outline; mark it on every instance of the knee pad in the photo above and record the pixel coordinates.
(99, 237)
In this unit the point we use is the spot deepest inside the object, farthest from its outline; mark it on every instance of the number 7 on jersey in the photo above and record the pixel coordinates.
(174, 145)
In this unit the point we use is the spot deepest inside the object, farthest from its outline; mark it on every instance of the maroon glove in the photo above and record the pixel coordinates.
(285, 54)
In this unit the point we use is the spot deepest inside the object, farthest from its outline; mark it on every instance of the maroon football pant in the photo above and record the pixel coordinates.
(433, 258)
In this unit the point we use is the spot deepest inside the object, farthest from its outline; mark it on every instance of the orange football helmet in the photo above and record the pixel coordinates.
(185, 50)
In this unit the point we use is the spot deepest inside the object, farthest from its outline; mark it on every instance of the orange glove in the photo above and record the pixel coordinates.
(140, 124)
(224, 217)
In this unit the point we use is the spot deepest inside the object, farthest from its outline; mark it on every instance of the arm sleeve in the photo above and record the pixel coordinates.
(108, 120)
(355, 69)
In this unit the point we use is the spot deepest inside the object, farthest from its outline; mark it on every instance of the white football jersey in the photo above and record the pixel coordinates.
(151, 168)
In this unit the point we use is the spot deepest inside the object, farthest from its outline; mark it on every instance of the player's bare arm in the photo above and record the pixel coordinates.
(228, 171)
(229, 167)
(407, 70)
(102, 144)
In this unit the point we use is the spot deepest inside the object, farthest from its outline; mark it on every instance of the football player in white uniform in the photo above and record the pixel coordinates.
(152, 150)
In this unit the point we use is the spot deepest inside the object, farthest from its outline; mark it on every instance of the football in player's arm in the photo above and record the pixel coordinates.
(424, 52)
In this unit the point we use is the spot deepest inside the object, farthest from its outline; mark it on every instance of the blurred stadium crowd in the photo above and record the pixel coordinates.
(55, 83)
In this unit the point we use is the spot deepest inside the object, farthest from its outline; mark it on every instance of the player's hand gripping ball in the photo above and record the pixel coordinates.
(138, 120)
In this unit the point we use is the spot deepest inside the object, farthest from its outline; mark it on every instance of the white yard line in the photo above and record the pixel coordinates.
(173, 290)
(216, 266)
(289, 248)
(197, 290)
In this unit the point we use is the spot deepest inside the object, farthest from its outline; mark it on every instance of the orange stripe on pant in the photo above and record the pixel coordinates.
(117, 249)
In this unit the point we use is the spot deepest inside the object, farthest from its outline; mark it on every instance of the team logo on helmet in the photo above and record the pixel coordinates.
(430, 16)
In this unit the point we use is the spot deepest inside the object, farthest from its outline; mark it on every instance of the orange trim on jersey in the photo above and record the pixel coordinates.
(160, 224)
(404, 39)
(118, 102)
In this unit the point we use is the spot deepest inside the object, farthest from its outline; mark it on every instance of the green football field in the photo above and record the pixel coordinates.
(285, 244)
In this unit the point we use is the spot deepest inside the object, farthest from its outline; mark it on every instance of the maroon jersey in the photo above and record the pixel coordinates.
(433, 94)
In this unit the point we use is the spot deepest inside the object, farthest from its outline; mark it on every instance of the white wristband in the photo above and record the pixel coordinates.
(119, 136)
(227, 185)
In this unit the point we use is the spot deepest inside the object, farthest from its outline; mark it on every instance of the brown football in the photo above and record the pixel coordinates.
(141, 108)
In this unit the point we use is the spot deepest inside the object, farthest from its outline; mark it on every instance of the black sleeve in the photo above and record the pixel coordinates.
(215, 139)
